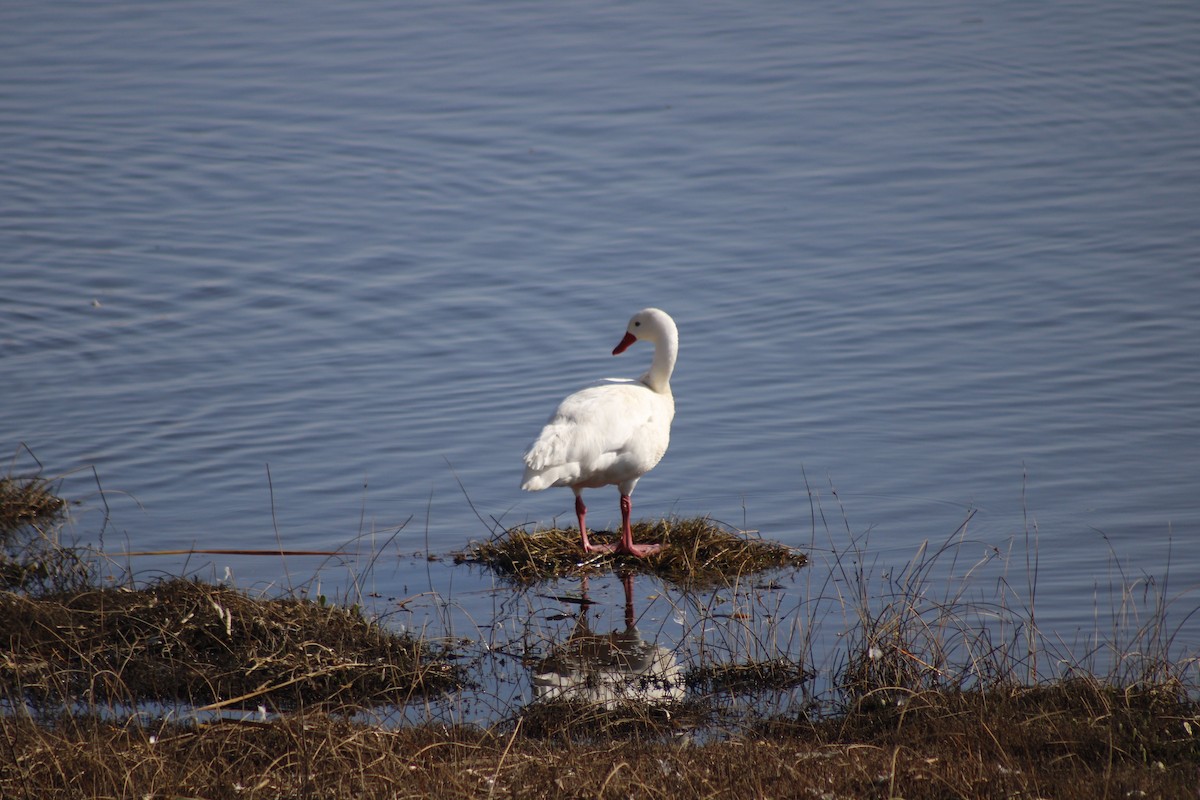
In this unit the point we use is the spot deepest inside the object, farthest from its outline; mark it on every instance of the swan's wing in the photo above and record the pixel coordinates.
(597, 436)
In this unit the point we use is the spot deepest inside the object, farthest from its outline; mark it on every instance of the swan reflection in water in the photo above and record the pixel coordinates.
(608, 670)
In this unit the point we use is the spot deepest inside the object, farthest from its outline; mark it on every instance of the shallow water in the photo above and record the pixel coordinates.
(289, 277)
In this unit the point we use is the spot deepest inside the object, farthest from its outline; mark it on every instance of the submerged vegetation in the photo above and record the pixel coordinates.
(177, 687)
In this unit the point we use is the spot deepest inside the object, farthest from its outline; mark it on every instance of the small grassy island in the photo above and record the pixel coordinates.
(696, 552)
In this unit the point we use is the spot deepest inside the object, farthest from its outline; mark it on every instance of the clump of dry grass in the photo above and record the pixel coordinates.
(696, 552)
(32, 557)
(69, 641)
(28, 501)
(1056, 740)
(199, 644)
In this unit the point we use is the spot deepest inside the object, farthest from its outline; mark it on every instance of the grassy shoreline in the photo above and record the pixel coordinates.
(183, 688)
(1080, 740)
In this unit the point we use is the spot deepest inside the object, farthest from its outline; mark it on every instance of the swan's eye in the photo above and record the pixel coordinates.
(637, 324)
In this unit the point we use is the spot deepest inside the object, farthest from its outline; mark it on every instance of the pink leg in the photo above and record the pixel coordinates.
(627, 545)
(588, 547)
(581, 513)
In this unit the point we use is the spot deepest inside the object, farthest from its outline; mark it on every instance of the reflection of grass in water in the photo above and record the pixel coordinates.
(769, 674)
(698, 552)
(931, 691)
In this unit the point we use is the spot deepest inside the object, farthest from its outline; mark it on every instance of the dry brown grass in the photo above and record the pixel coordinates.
(697, 552)
(199, 644)
(1074, 738)
(32, 557)
(1076, 741)
(28, 501)
(582, 722)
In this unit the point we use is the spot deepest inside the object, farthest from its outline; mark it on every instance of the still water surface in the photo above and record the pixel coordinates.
(291, 273)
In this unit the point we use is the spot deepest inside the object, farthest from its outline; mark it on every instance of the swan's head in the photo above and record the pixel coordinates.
(649, 324)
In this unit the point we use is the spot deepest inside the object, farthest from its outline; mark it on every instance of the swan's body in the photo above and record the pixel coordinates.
(611, 433)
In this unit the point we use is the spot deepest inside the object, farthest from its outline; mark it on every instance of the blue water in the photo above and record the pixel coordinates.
(289, 274)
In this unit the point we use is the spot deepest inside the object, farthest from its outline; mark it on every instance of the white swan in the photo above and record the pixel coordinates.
(611, 433)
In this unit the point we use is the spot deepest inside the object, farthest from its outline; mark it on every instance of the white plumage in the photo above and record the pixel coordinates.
(613, 432)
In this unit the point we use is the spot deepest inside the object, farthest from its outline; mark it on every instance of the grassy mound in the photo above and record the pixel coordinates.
(190, 642)
(68, 639)
(696, 551)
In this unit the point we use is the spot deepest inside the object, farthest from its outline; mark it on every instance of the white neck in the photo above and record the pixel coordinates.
(666, 348)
